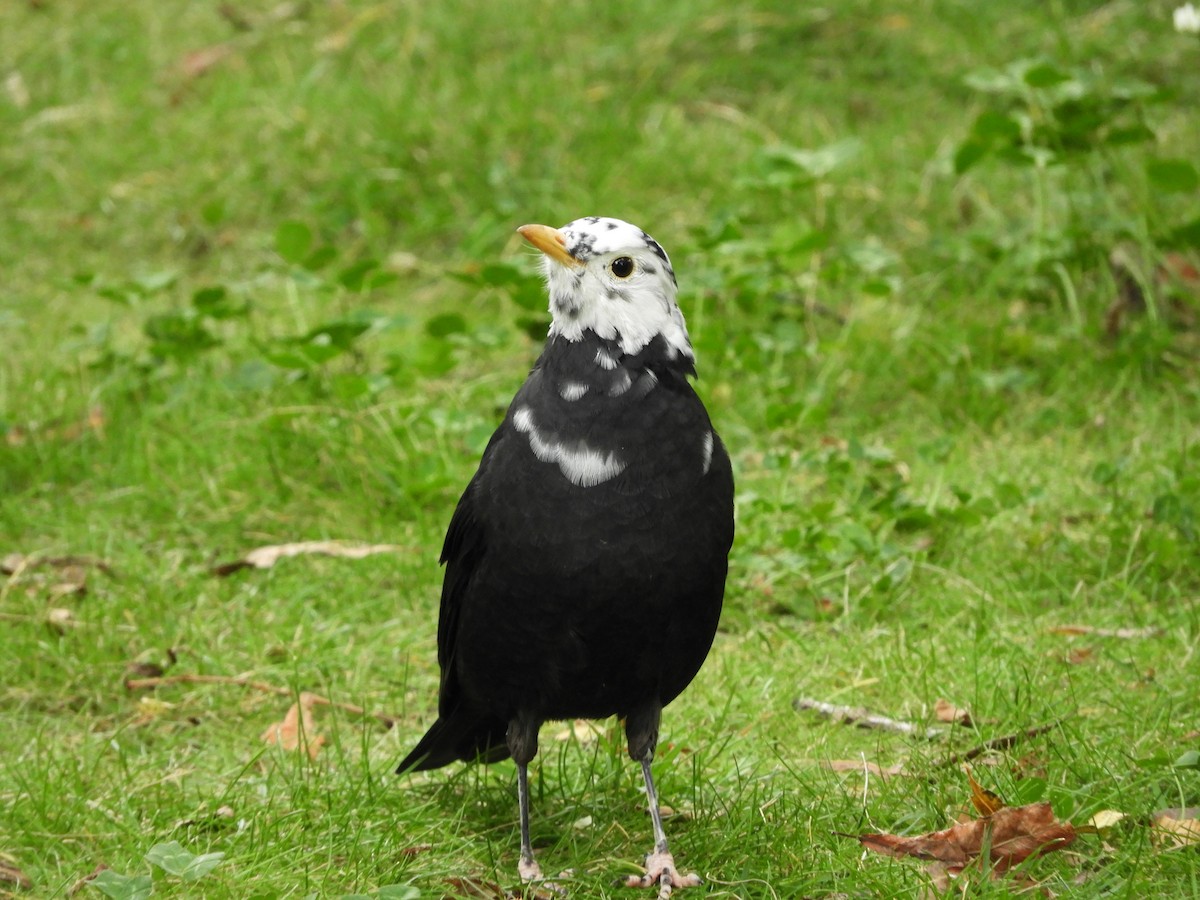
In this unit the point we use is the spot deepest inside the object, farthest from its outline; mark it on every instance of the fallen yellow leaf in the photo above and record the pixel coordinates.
(298, 730)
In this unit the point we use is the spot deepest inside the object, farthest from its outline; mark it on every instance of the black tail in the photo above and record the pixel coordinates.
(456, 738)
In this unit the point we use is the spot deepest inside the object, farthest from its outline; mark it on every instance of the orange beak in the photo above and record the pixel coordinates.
(550, 241)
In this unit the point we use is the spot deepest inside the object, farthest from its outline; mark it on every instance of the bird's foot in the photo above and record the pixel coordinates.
(529, 870)
(661, 871)
(531, 873)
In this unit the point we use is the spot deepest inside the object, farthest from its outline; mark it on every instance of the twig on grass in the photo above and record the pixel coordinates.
(143, 684)
(1000, 743)
(864, 718)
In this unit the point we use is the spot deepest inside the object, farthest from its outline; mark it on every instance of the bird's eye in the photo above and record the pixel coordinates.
(622, 267)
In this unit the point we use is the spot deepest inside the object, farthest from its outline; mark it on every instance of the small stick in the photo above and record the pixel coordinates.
(142, 684)
(1000, 743)
(864, 718)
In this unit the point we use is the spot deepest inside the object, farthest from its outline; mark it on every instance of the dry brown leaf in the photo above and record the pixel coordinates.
(1178, 827)
(1079, 655)
(18, 93)
(265, 557)
(197, 62)
(858, 765)
(945, 711)
(415, 849)
(58, 430)
(1105, 819)
(298, 730)
(61, 619)
(19, 563)
(85, 880)
(986, 802)
(1122, 633)
(144, 670)
(10, 874)
(1012, 835)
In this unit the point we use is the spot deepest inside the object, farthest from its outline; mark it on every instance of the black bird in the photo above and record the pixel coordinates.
(586, 560)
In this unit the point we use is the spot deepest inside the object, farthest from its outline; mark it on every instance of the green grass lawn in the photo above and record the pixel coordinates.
(260, 284)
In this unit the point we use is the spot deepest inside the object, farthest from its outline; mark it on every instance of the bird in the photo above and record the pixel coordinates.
(586, 560)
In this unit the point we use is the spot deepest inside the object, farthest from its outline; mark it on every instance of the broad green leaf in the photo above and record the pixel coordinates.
(341, 333)
(292, 241)
(122, 887)
(1189, 760)
(354, 275)
(1133, 134)
(398, 892)
(996, 127)
(1173, 175)
(1044, 75)
(215, 303)
(990, 81)
(1185, 235)
(212, 213)
(173, 859)
(154, 282)
(178, 334)
(529, 294)
(819, 162)
(319, 258)
(500, 274)
(445, 324)
(969, 152)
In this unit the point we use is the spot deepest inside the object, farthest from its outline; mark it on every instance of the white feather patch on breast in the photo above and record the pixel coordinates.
(604, 360)
(708, 451)
(579, 464)
(572, 390)
(620, 384)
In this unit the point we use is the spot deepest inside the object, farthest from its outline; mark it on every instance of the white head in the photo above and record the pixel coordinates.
(611, 277)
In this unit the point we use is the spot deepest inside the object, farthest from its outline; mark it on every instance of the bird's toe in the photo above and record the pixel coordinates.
(661, 873)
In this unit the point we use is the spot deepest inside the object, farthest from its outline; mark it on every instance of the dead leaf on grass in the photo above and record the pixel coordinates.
(1105, 819)
(19, 563)
(1127, 634)
(986, 803)
(10, 874)
(60, 619)
(415, 849)
(18, 93)
(945, 711)
(144, 670)
(1011, 835)
(859, 765)
(58, 429)
(197, 62)
(298, 730)
(1079, 655)
(85, 880)
(1178, 827)
(265, 557)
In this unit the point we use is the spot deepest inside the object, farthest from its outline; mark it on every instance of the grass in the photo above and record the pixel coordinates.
(288, 289)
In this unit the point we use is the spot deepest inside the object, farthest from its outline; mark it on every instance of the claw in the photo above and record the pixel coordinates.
(661, 871)
(531, 873)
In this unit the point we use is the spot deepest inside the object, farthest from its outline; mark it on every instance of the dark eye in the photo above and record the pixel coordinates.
(622, 267)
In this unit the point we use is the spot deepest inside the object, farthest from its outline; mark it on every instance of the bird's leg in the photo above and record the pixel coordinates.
(527, 867)
(642, 732)
(521, 738)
